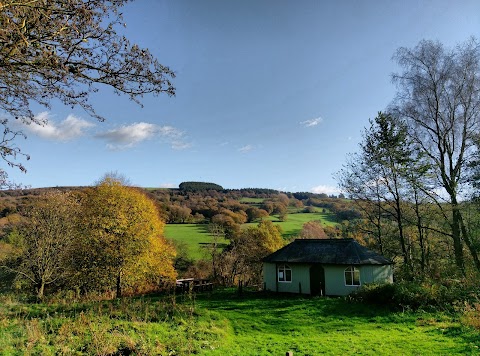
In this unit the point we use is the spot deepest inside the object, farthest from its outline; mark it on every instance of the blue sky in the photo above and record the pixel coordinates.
(270, 94)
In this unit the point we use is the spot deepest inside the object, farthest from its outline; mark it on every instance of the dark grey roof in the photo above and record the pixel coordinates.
(327, 251)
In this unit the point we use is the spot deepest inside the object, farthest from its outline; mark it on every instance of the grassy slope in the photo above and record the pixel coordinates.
(224, 324)
(195, 236)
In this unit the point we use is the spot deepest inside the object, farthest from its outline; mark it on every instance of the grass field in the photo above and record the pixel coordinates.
(195, 236)
(223, 323)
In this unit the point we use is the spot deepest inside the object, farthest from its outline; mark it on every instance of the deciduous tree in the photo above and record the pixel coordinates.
(44, 243)
(439, 98)
(66, 50)
(123, 246)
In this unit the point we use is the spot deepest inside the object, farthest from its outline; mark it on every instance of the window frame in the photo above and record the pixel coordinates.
(284, 268)
(352, 271)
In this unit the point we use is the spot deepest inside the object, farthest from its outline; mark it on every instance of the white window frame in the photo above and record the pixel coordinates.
(352, 270)
(282, 271)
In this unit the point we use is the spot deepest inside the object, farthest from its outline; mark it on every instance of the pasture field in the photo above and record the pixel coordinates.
(193, 236)
(196, 236)
(223, 323)
(254, 201)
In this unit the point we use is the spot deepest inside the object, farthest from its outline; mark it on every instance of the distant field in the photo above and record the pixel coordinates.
(294, 222)
(196, 237)
(251, 200)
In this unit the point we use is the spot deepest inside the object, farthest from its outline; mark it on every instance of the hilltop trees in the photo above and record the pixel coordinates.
(66, 50)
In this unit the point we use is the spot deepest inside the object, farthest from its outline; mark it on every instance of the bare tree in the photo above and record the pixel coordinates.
(439, 98)
(65, 50)
(46, 241)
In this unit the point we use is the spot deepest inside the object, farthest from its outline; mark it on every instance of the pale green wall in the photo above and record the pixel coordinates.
(376, 274)
(334, 278)
(300, 279)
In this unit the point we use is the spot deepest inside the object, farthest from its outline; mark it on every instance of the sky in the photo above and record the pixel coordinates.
(269, 94)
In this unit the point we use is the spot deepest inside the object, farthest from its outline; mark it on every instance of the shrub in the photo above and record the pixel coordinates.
(413, 295)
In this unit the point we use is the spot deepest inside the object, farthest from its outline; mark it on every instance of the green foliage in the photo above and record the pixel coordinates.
(198, 186)
(414, 296)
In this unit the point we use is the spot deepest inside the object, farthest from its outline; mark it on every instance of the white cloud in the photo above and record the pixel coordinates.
(168, 185)
(130, 135)
(70, 128)
(311, 122)
(325, 189)
(245, 149)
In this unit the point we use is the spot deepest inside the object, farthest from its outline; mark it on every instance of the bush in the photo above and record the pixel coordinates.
(414, 296)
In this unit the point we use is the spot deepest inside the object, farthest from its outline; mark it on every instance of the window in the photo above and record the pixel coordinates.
(284, 273)
(352, 276)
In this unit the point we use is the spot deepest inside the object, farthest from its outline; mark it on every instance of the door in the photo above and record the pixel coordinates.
(317, 280)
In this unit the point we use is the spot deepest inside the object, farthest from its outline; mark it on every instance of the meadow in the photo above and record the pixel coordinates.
(224, 323)
(195, 236)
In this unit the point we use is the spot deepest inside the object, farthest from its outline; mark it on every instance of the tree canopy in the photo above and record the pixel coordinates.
(66, 50)
(123, 246)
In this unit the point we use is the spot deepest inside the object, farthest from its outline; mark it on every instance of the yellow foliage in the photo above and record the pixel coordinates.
(123, 246)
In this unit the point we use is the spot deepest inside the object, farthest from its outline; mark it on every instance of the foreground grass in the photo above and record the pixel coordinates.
(262, 325)
(223, 323)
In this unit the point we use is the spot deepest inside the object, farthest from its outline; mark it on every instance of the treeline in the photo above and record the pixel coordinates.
(198, 186)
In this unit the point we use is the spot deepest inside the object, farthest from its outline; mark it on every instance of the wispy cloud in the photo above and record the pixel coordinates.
(69, 129)
(128, 136)
(325, 189)
(245, 149)
(311, 122)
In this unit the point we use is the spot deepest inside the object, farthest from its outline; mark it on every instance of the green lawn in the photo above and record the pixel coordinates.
(196, 236)
(223, 323)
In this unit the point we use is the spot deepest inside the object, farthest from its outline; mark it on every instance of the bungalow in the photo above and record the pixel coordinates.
(324, 267)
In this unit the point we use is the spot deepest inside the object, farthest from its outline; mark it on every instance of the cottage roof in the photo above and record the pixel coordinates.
(327, 251)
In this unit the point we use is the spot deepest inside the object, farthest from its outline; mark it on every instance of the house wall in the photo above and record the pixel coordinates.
(300, 279)
(334, 278)
(376, 274)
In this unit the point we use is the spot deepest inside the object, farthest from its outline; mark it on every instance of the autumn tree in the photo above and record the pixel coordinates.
(242, 258)
(123, 246)
(44, 241)
(313, 230)
(67, 50)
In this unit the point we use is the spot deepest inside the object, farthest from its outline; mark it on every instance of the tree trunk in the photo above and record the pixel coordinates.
(40, 290)
(456, 236)
(468, 242)
(119, 284)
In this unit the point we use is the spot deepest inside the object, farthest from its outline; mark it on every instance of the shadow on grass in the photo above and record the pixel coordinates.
(261, 302)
